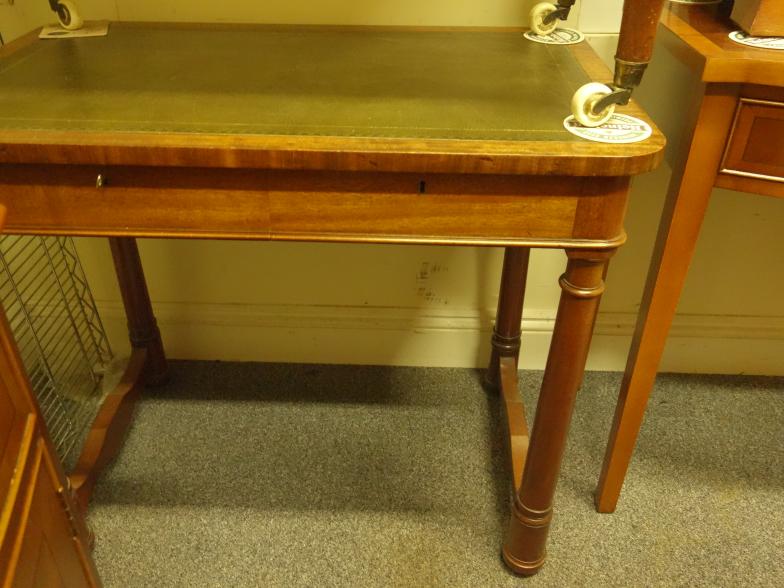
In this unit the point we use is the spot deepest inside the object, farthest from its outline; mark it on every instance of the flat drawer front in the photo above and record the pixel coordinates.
(756, 145)
(309, 206)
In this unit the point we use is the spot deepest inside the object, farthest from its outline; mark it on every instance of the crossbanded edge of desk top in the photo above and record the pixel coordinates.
(287, 97)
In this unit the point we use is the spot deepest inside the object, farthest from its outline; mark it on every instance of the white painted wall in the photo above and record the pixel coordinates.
(431, 305)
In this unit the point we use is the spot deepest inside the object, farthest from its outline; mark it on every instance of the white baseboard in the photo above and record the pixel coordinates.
(424, 337)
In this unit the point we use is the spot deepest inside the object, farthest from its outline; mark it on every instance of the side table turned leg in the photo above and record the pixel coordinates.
(142, 326)
(582, 286)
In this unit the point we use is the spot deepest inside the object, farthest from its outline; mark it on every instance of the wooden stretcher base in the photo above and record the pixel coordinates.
(516, 422)
(109, 428)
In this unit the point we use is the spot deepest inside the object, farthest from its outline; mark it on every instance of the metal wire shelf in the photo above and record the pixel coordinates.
(60, 336)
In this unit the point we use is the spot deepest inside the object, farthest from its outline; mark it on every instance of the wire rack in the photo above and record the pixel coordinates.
(56, 324)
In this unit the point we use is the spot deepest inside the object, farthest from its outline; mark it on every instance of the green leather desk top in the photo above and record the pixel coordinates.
(467, 85)
(307, 82)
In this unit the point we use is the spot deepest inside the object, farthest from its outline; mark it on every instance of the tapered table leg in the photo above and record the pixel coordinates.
(582, 286)
(687, 202)
(142, 326)
(506, 333)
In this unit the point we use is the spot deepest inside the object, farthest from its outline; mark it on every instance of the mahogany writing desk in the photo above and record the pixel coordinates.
(448, 137)
(734, 139)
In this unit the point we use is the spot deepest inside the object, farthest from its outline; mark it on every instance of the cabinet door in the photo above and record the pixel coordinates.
(42, 537)
(49, 553)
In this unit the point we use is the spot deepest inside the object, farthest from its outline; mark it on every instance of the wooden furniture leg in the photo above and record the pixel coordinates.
(582, 286)
(506, 333)
(506, 349)
(142, 326)
(687, 201)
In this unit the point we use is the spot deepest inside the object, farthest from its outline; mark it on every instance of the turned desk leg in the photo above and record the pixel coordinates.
(687, 201)
(582, 286)
(506, 333)
(142, 326)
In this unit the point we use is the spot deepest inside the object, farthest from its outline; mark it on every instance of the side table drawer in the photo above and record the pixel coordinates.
(756, 145)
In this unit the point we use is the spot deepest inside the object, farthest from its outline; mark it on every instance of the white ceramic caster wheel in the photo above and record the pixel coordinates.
(68, 15)
(584, 100)
(538, 14)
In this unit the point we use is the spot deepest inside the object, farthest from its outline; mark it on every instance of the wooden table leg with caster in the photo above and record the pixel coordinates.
(594, 103)
(582, 286)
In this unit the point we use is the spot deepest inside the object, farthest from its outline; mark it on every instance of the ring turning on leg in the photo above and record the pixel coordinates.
(532, 510)
(142, 326)
(506, 333)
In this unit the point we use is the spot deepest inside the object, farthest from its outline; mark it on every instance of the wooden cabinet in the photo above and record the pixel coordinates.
(43, 539)
(46, 551)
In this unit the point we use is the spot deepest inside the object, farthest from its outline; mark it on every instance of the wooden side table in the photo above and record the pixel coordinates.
(735, 140)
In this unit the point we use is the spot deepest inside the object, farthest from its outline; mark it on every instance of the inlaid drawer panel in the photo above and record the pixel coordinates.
(756, 145)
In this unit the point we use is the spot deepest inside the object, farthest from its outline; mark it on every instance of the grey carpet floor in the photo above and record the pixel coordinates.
(289, 475)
